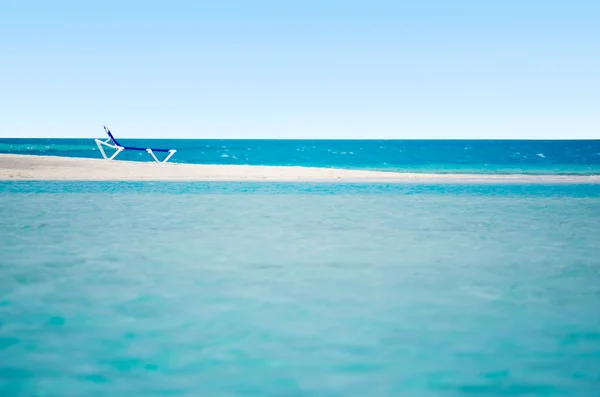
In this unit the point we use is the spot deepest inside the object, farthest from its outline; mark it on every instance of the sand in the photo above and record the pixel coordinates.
(26, 167)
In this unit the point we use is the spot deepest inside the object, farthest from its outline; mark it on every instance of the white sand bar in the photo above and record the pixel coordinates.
(25, 167)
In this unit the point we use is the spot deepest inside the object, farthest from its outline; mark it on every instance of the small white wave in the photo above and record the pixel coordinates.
(541, 155)
(224, 155)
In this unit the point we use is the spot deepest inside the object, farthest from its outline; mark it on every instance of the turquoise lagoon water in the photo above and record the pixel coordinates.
(224, 289)
(457, 156)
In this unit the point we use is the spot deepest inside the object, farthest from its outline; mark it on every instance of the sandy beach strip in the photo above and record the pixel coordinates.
(27, 167)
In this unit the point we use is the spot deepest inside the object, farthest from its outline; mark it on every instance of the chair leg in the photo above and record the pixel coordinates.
(156, 160)
(119, 150)
(101, 149)
(171, 153)
(100, 144)
(151, 153)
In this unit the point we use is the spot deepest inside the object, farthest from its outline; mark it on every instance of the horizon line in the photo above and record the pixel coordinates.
(316, 139)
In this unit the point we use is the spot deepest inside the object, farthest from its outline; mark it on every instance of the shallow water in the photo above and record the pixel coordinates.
(223, 289)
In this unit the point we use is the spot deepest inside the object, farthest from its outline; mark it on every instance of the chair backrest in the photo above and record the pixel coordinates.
(110, 135)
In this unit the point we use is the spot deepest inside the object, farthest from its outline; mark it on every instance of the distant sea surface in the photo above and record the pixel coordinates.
(146, 289)
(460, 156)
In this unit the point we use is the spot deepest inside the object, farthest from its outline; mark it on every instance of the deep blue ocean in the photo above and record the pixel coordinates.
(147, 289)
(529, 157)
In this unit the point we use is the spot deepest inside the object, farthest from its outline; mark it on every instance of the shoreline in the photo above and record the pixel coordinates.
(18, 167)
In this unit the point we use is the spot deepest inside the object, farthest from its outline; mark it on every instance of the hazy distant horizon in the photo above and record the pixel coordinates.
(304, 139)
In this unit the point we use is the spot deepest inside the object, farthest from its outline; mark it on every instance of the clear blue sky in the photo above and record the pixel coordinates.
(300, 69)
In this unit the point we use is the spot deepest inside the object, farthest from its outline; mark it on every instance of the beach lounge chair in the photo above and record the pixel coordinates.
(112, 143)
